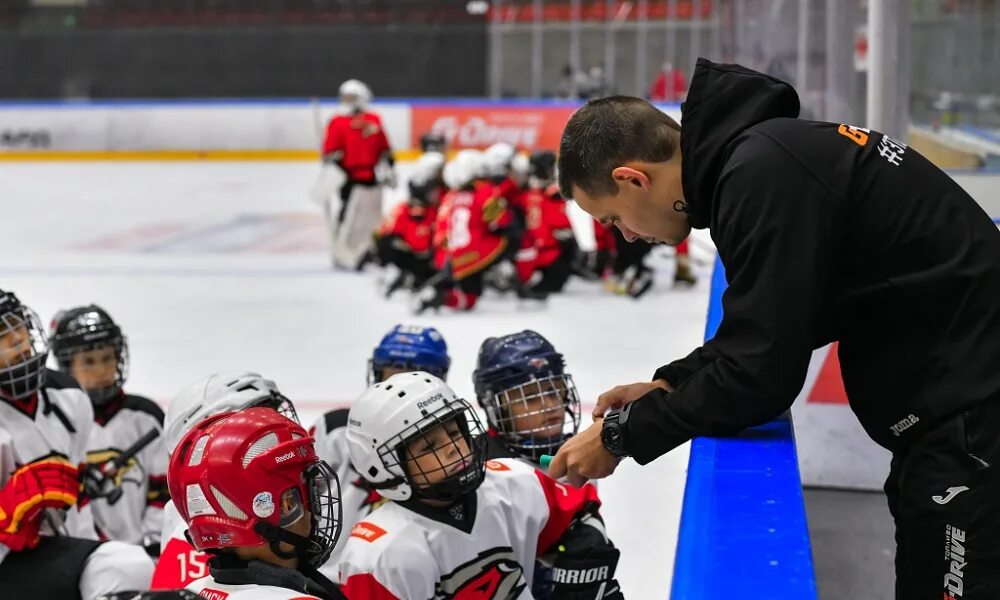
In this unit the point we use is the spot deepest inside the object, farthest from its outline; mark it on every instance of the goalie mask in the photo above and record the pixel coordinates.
(219, 393)
(251, 478)
(410, 437)
(83, 335)
(529, 399)
(23, 349)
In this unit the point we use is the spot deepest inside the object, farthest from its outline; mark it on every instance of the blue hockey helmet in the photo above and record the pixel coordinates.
(410, 348)
(529, 399)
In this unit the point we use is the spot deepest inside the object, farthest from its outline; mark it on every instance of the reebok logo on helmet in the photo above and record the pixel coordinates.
(431, 400)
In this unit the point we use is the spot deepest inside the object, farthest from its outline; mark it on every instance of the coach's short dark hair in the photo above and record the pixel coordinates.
(607, 133)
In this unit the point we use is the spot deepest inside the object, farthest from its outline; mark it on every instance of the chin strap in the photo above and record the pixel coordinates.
(276, 535)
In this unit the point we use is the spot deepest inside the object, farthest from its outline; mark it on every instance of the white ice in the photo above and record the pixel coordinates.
(213, 266)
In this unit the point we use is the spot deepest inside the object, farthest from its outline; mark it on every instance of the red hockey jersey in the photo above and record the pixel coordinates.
(468, 229)
(362, 141)
(413, 224)
(546, 224)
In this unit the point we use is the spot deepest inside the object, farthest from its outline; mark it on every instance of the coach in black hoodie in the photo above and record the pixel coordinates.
(827, 232)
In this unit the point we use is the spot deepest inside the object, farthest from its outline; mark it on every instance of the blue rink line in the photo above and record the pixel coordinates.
(743, 531)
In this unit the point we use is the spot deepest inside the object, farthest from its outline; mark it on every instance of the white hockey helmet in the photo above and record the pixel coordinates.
(391, 414)
(218, 393)
(427, 168)
(466, 167)
(497, 159)
(354, 95)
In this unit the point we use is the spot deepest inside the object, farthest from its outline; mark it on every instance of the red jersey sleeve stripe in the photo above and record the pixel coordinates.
(565, 503)
(364, 585)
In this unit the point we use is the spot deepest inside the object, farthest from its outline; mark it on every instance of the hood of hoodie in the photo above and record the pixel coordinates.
(723, 102)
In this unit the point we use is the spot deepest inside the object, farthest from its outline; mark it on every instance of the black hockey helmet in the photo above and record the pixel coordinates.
(542, 167)
(23, 349)
(432, 142)
(85, 328)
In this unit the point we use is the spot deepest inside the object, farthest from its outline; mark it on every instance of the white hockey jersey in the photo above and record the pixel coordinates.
(137, 515)
(356, 501)
(210, 590)
(487, 543)
(59, 423)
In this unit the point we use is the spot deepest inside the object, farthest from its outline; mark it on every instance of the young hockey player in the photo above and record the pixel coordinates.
(403, 243)
(357, 162)
(46, 527)
(127, 500)
(469, 235)
(530, 401)
(460, 524)
(180, 563)
(405, 348)
(548, 248)
(257, 499)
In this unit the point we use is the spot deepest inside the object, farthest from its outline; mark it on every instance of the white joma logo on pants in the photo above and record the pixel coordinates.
(952, 492)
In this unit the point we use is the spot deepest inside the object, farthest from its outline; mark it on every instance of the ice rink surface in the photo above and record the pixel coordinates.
(212, 266)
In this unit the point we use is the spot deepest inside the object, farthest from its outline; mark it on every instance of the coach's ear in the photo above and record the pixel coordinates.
(630, 176)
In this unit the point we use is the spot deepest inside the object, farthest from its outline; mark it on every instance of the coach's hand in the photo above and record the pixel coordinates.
(620, 395)
(583, 457)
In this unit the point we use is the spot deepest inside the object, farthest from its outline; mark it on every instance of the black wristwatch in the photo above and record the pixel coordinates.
(613, 431)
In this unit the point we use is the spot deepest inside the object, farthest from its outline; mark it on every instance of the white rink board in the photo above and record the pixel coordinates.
(192, 258)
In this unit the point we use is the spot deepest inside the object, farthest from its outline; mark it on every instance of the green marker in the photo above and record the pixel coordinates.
(545, 460)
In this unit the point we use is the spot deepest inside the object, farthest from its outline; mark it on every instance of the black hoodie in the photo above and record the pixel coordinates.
(827, 232)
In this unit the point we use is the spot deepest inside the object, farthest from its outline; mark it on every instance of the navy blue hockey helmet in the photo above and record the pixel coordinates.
(84, 328)
(23, 349)
(410, 348)
(529, 399)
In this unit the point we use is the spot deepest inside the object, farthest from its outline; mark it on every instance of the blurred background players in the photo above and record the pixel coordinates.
(257, 499)
(548, 248)
(452, 525)
(357, 161)
(530, 401)
(127, 500)
(469, 235)
(46, 527)
(403, 244)
(180, 563)
(405, 348)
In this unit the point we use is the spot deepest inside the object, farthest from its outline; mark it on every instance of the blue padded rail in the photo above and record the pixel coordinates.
(743, 527)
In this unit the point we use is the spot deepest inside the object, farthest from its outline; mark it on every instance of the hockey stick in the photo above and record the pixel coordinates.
(93, 484)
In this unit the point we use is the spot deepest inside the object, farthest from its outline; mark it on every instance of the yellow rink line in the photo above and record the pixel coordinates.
(176, 155)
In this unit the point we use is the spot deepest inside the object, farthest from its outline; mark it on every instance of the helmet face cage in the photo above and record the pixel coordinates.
(280, 404)
(23, 352)
(536, 417)
(64, 356)
(323, 487)
(443, 466)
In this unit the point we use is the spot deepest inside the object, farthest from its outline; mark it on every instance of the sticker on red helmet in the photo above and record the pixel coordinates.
(263, 505)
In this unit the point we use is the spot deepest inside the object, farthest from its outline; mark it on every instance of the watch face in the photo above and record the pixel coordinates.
(611, 437)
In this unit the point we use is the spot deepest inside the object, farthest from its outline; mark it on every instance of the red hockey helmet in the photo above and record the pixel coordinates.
(241, 478)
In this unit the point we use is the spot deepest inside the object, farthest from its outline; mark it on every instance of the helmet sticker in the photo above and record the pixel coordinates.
(263, 505)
